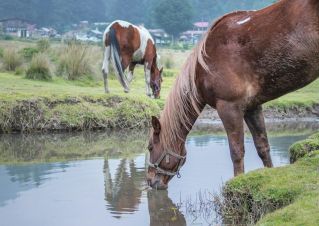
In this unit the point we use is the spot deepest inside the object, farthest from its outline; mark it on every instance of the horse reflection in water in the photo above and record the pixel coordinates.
(162, 210)
(123, 192)
(124, 189)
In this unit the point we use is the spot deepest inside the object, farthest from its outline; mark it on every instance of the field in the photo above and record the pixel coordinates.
(88, 92)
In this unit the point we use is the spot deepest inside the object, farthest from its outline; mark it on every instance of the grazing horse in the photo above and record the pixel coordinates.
(246, 59)
(127, 45)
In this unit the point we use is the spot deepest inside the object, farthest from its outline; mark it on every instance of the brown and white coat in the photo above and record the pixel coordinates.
(125, 46)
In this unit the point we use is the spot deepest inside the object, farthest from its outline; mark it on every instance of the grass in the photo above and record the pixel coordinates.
(279, 196)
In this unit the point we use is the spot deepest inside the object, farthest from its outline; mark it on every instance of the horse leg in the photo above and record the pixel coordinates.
(232, 117)
(131, 71)
(147, 70)
(105, 67)
(256, 124)
(126, 61)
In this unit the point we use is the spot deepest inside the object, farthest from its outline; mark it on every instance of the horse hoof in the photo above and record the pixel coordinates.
(126, 91)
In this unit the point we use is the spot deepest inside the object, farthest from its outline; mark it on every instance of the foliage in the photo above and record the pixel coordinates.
(1, 52)
(43, 44)
(39, 68)
(172, 22)
(29, 52)
(11, 59)
(74, 62)
(57, 13)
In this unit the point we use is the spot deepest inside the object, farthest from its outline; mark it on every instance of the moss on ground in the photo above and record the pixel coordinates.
(279, 196)
(304, 147)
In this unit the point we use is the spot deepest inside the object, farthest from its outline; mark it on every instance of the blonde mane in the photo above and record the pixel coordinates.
(183, 101)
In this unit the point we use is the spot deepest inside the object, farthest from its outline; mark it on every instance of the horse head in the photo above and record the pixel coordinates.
(163, 163)
(156, 81)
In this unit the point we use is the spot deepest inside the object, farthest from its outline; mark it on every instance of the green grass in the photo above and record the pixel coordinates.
(280, 196)
(303, 98)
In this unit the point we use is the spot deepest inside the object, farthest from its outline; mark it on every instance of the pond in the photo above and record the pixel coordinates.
(99, 178)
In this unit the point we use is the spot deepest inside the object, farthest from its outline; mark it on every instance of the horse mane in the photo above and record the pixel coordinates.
(183, 100)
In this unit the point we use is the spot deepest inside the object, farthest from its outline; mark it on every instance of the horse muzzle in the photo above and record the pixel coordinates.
(156, 182)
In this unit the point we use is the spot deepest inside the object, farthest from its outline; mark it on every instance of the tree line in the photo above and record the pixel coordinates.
(153, 13)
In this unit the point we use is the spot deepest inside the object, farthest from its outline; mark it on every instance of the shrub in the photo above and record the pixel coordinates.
(1, 52)
(74, 62)
(11, 59)
(168, 62)
(39, 68)
(6, 37)
(19, 71)
(43, 45)
(29, 52)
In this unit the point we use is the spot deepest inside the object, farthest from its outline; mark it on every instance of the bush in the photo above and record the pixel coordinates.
(39, 68)
(11, 59)
(1, 52)
(19, 71)
(43, 45)
(6, 37)
(29, 52)
(74, 62)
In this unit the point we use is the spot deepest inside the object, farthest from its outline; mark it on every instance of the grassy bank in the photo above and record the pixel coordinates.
(280, 196)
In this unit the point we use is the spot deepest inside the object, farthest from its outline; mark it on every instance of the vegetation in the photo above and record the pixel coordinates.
(63, 13)
(303, 148)
(280, 196)
(11, 59)
(167, 18)
(39, 68)
(43, 44)
(74, 62)
(29, 52)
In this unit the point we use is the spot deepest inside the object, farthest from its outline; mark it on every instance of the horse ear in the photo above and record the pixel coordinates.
(156, 125)
(161, 70)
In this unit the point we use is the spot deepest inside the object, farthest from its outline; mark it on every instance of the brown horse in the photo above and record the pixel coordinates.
(127, 45)
(246, 58)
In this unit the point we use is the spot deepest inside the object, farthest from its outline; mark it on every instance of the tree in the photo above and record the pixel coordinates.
(174, 16)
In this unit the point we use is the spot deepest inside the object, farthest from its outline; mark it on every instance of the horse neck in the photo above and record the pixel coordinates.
(179, 115)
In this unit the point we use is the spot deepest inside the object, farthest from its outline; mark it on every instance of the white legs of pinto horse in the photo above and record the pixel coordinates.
(105, 67)
(105, 71)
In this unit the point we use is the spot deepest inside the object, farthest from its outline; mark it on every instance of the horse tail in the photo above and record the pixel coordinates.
(116, 59)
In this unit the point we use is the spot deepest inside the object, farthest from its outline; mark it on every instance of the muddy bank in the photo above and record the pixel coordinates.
(273, 113)
(116, 112)
(76, 113)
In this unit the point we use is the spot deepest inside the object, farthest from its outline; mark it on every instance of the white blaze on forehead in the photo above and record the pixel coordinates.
(243, 21)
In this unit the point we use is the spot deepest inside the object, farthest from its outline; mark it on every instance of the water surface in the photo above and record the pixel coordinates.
(99, 178)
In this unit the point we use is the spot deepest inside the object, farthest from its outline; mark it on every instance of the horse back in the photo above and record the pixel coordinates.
(261, 55)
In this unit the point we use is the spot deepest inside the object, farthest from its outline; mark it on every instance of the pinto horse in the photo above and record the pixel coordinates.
(127, 45)
(246, 59)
